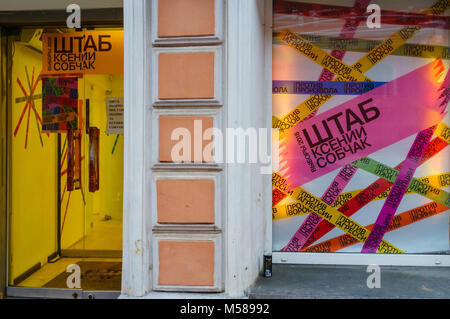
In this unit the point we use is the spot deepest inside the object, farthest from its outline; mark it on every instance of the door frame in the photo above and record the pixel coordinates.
(55, 293)
(3, 161)
(50, 18)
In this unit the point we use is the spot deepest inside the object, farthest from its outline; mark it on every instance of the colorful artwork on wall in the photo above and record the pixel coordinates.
(29, 97)
(59, 104)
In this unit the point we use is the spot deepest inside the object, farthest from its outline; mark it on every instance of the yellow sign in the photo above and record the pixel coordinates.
(88, 52)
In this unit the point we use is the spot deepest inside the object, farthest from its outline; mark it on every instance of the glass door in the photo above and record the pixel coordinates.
(3, 181)
(66, 159)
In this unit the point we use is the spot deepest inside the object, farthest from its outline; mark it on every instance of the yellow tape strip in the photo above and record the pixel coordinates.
(369, 60)
(388, 173)
(442, 131)
(281, 211)
(338, 219)
(316, 54)
(58, 118)
(289, 210)
(362, 45)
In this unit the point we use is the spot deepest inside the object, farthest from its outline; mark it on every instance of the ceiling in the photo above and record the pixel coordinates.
(31, 5)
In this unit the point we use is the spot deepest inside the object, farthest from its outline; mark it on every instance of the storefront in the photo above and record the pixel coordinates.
(63, 213)
(111, 161)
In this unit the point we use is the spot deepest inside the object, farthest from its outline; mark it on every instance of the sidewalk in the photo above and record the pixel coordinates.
(313, 281)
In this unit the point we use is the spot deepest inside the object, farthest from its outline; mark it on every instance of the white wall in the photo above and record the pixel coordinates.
(248, 192)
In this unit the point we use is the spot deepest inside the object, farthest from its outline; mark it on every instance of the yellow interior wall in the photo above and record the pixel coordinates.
(33, 203)
(108, 199)
(33, 176)
(73, 229)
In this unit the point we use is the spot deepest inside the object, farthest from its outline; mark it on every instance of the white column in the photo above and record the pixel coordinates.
(248, 198)
(136, 269)
(248, 105)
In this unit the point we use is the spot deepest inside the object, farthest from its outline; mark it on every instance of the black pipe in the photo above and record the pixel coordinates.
(88, 112)
(58, 210)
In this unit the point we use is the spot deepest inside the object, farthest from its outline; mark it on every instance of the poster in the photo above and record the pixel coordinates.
(364, 129)
(114, 115)
(88, 52)
(94, 167)
(59, 104)
(73, 160)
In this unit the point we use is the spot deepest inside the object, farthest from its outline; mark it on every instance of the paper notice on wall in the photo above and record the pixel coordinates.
(114, 115)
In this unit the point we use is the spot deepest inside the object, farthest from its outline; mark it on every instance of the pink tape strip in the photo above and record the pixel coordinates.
(347, 172)
(398, 191)
(363, 125)
(403, 180)
(348, 31)
(312, 221)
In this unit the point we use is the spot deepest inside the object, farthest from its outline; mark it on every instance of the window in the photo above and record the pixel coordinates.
(355, 95)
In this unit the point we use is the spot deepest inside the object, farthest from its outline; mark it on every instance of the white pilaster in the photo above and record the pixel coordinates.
(136, 269)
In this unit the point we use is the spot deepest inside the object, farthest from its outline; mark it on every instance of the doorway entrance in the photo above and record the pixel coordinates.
(65, 161)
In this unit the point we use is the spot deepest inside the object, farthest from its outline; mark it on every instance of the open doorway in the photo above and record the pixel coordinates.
(65, 158)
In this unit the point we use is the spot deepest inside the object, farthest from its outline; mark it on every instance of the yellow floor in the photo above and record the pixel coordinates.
(106, 236)
(50, 271)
